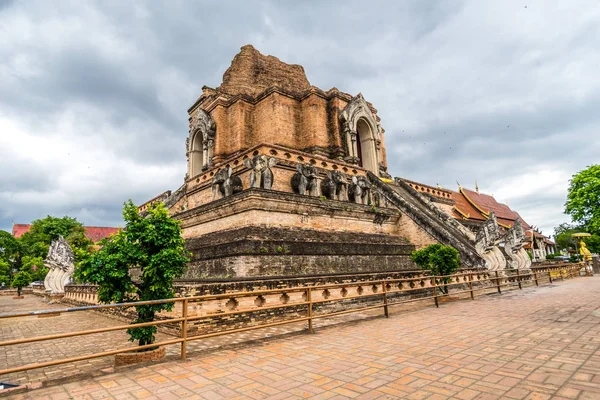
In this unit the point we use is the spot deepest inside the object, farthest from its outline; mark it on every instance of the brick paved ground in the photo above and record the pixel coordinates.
(12, 356)
(539, 343)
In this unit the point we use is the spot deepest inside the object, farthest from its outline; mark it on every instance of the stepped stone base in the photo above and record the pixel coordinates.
(266, 251)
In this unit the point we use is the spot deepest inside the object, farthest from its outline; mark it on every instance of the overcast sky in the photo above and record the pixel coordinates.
(94, 94)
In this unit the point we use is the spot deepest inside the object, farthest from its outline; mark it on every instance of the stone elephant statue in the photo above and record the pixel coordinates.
(305, 180)
(225, 183)
(359, 190)
(335, 186)
(261, 175)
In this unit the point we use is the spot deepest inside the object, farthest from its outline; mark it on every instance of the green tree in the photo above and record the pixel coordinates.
(21, 280)
(154, 245)
(5, 273)
(583, 199)
(36, 241)
(10, 248)
(564, 240)
(439, 259)
(34, 266)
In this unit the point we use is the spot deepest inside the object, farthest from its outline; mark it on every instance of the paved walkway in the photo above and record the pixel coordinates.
(539, 343)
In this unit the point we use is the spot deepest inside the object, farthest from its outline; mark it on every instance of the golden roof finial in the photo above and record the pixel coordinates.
(476, 187)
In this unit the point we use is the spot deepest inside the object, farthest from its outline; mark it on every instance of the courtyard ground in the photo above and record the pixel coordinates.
(539, 343)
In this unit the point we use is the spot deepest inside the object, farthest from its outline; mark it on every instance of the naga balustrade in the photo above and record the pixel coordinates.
(384, 292)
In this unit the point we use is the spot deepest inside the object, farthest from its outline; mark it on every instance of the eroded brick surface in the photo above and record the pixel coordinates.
(539, 343)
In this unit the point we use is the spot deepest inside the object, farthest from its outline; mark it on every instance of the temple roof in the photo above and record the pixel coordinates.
(94, 233)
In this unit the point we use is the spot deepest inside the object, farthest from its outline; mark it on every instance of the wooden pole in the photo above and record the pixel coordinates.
(471, 287)
(498, 282)
(385, 300)
(310, 310)
(184, 326)
(519, 279)
(435, 296)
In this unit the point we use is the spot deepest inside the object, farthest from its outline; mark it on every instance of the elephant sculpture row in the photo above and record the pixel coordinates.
(225, 184)
(335, 186)
(305, 181)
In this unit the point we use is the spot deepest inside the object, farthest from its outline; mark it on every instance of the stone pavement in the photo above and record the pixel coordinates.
(539, 343)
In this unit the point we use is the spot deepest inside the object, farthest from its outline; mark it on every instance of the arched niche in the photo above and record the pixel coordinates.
(360, 135)
(200, 143)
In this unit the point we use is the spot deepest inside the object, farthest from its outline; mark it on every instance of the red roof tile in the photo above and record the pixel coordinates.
(94, 233)
(466, 208)
(19, 229)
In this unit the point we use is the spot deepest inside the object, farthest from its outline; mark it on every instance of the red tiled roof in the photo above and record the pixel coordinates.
(465, 207)
(94, 233)
(488, 203)
(97, 233)
(19, 229)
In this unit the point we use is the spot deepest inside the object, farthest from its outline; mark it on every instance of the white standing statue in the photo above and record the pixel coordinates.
(61, 264)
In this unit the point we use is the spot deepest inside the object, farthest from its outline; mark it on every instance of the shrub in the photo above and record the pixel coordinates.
(439, 259)
(21, 280)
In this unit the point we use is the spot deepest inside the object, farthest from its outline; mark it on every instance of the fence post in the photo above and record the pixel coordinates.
(498, 282)
(471, 286)
(435, 296)
(385, 300)
(535, 277)
(549, 275)
(310, 310)
(184, 330)
(519, 279)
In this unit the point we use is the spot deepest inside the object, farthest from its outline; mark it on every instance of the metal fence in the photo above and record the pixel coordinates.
(385, 293)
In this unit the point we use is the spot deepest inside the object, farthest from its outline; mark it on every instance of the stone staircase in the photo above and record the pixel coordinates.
(442, 227)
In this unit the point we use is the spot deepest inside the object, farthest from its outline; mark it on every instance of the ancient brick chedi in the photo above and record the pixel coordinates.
(287, 179)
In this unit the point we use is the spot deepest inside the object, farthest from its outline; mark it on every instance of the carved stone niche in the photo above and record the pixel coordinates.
(200, 143)
(361, 135)
(261, 175)
(304, 181)
(225, 183)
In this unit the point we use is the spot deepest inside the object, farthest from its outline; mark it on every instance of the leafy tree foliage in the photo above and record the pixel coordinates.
(583, 199)
(439, 259)
(564, 240)
(21, 280)
(10, 250)
(36, 241)
(34, 266)
(154, 245)
(5, 273)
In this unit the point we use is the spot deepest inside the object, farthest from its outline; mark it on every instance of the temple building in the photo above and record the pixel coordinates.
(284, 178)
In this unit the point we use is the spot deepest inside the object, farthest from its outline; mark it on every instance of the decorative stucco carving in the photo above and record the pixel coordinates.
(486, 243)
(200, 142)
(516, 255)
(61, 264)
(335, 186)
(355, 111)
(261, 175)
(304, 181)
(225, 183)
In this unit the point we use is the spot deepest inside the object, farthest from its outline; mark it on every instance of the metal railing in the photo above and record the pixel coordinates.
(391, 290)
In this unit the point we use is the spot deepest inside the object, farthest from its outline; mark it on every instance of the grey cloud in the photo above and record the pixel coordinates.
(126, 72)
